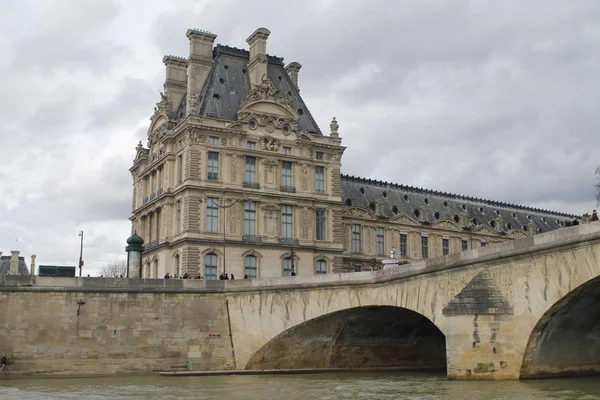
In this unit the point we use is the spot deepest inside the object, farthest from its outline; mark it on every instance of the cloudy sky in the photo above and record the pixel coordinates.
(492, 99)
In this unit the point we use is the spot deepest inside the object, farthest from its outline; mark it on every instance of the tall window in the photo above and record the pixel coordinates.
(250, 267)
(180, 169)
(212, 214)
(356, 238)
(250, 218)
(321, 224)
(403, 245)
(483, 243)
(425, 246)
(210, 267)
(380, 246)
(286, 173)
(287, 266)
(286, 221)
(250, 169)
(213, 166)
(445, 246)
(176, 266)
(179, 219)
(321, 267)
(465, 245)
(320, 179)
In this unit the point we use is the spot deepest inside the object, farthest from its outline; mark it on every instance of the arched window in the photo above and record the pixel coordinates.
(287, 266)
(155, 271)
(321, 267)
(250, 267)
(176, 266)
(210, 267)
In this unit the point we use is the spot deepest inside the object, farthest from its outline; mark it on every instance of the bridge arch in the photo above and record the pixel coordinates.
(358, 337)
(566, 339)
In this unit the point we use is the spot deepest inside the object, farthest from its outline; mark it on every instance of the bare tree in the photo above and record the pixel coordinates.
(114, 269)
(598, 186)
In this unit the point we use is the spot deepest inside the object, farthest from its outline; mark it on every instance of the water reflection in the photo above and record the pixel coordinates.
(423, 386)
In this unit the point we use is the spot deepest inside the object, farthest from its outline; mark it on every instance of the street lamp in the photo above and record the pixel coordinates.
(225, 207)
(81, 252)
(134, 251)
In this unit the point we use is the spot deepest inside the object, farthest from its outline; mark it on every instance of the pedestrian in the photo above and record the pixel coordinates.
(167, 276)
(232, 277)
(3, 362)
(226, 277)
(245, 276)
(594, 216)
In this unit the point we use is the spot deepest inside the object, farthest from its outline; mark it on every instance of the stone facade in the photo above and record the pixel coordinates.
(238, 177)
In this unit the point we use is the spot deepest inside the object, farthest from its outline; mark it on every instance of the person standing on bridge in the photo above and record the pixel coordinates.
(594, 216)
(3, 362)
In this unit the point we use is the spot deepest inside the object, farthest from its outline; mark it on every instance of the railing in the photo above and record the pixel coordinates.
(288, 241)
(289, 189)
(252, 238)
(251, 185)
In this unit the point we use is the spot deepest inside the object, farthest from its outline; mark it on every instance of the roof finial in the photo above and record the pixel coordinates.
(334, 128)
(139, 146)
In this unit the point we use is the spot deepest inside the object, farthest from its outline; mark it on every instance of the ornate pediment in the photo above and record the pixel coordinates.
(517, 234)
(404, 219)
(269, 207)
(266, 106)
(358, 213)
(484, 230)
(447, 225)
(303, 137)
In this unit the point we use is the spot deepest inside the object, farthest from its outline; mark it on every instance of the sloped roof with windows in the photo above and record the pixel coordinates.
(401, 199)
(5, 266)
(228, 84)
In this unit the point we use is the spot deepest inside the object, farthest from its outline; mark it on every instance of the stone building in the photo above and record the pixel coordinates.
(14, 264)
(237, 176)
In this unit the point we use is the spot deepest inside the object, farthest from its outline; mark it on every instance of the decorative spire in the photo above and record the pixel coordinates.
(334, 127)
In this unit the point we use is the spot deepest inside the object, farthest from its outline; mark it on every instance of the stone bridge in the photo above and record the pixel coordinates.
(522, 309)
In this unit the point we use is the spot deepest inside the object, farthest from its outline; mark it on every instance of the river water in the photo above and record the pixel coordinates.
(378, 386)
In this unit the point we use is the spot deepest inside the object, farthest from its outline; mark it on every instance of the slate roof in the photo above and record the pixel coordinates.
(228, 83)
(5, 266)
(398, 199)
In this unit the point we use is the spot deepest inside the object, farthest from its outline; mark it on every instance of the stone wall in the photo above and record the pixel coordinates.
(115, 332)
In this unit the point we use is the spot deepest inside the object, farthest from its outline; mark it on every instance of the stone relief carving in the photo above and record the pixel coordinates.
(446, 225)
(333, 157)
(404, 220)
(234, 168)
(305, 223)
(517, 234)
(355, 212)
(267, 91)
(197, 138)
(269, 143)
(233, 220)
(304, 179)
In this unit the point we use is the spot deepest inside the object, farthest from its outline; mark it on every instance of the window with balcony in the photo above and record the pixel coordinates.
(250, 267)
(212, 214)
(286, 174)
(250, 178)
(321, 224)
(250, 218)
(403, 245)
(321, 267)
(213, 166)
(445, 246)
(286, 221)
(210, 267)
(425, 246)
(356, 238)
(287, 266)
(320, 179)
(380, 242)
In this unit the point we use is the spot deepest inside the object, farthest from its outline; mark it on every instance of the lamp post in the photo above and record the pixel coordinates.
(224, 207)
(81, 253)
(134, 251)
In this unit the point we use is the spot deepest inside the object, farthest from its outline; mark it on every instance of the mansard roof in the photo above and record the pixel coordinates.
(401, 199)
(228, 84)
(5, 265)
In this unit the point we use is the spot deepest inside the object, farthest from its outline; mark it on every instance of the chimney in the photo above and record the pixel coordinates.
(424, 213)
(32, 266)
(176, 80)
(499, 224)
(14, 262)
(257, 65)
(464, 219)
(292, 70)
(199, 62)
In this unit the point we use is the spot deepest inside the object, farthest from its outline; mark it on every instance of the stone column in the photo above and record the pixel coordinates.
(32, 266)
(14, 262)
